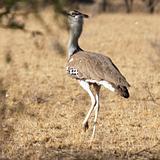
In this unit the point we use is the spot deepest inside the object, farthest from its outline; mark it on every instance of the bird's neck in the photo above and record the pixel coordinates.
(73, 45)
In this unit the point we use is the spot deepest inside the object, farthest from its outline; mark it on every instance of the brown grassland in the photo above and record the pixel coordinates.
(41, 118)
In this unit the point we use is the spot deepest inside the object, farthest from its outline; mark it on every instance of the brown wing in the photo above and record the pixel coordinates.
(93, 66)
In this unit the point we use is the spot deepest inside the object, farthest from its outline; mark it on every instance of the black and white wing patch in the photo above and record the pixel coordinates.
(72, 72)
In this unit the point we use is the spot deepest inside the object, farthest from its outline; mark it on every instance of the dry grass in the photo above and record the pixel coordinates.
(42, 116)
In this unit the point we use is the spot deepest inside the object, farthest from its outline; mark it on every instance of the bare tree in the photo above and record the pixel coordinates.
(149, 3)
(100, 6)
(129, 4)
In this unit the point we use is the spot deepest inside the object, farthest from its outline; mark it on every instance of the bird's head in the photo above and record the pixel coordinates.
(75, 17)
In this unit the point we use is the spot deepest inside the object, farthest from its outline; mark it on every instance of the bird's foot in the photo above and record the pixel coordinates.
(85, 126)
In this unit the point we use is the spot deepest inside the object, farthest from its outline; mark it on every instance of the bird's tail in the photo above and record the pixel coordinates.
(123, 91)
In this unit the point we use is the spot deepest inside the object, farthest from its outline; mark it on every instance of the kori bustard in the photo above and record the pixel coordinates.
(91, 69)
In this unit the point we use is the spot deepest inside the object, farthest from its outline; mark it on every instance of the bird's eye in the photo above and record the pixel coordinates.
(75, 13)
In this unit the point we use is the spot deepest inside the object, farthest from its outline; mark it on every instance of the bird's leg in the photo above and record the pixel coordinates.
(96, 108)
(86, 87)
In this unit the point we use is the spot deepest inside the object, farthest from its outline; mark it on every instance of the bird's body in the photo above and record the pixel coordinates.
(95, 67)
(92, 68)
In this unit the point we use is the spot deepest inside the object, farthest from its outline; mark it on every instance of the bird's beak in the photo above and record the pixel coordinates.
(85, 15)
